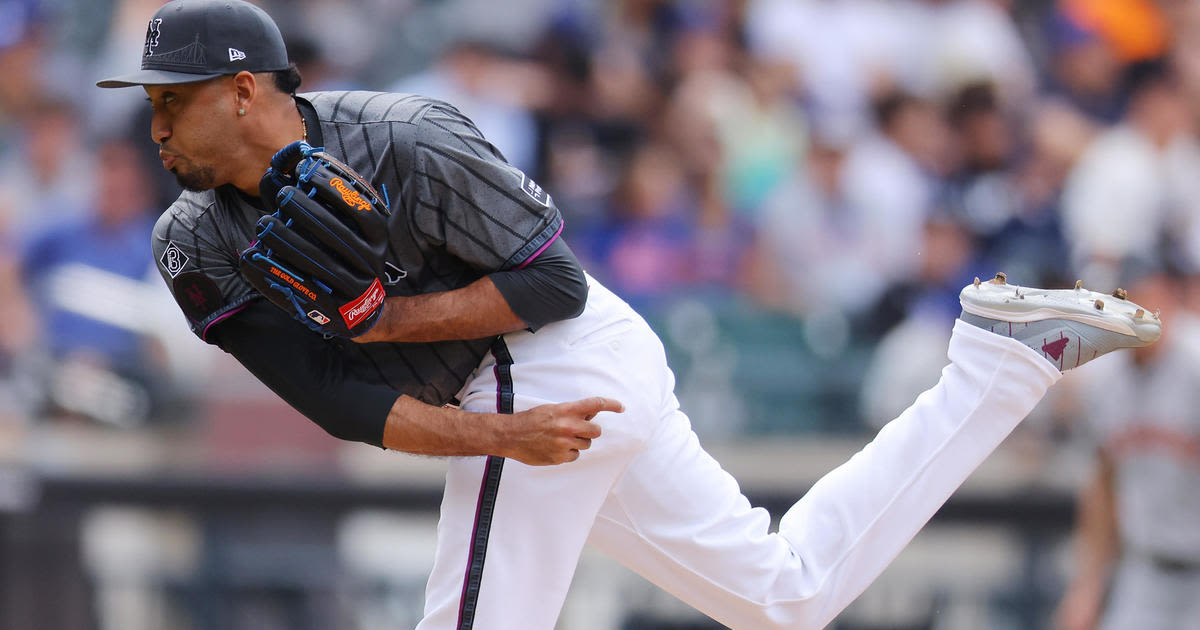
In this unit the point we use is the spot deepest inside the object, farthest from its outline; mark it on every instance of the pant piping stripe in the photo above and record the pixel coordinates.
(488, 490)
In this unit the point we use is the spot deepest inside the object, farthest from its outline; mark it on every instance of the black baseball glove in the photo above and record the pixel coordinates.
(320, 256)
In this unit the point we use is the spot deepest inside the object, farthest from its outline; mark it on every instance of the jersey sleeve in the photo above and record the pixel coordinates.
(197, 257)
(466, 198)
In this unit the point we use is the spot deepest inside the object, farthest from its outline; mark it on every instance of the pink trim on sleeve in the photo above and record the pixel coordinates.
(543, 247)
(223, 317)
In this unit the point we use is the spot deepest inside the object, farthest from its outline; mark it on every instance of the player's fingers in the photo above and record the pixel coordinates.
(589, 407)
(567, 456)
(299, 252)
(309, 215)
(587, 430)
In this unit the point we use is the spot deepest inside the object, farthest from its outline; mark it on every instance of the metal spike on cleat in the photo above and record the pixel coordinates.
(1139, 314)
(1001, 278)
(1079, 285)
(1120, 294)
(976, 282)
(1099, 305)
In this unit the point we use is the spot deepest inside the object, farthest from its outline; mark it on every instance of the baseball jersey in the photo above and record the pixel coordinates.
(459, 213)
(1148, 420)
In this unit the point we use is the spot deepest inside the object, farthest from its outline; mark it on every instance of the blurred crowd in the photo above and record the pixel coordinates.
(792, 191)
(840, 166)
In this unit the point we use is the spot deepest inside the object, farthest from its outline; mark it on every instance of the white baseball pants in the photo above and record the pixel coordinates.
(647, 493)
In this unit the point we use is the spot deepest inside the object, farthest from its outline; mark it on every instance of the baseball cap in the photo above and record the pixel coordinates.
(195, 40)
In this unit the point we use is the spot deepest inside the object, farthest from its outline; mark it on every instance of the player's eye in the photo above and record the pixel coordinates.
(165, 100)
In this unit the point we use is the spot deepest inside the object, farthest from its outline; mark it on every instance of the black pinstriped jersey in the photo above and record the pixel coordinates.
(459, 212)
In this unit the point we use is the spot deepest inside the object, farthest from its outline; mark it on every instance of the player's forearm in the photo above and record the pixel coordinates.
(1095, 549)
(1097, 541)
(475, 311)
(547, 434)
(415, 427)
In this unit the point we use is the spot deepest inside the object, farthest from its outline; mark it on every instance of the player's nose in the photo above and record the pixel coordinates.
(159, 129)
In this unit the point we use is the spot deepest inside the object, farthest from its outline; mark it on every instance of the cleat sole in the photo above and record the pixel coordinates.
(996, 301)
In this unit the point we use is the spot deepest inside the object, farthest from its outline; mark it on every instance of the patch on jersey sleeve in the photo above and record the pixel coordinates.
(173, 259)
(535, 192)
(197, 295)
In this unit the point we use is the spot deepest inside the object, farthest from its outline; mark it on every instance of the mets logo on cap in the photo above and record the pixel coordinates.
(153, 32)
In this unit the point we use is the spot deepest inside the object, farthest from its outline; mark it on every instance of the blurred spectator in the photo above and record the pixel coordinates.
(1031, 244)
(843, 52)
(892, 178)
(749, 107)
(950, 43)
(1084, 69)
(1137, 547)
(16, 337)
(109, 109)
(491, 90)
(1135, 191)
(86, 279)
(814, 247)
(649, 250)
(912, 321)
(692, 128)
(1135, 29)
(1185, 48)
(982, 184)
(46, 175)
(1011, 206)
(315, 69)
(601, 105)
(20, 53)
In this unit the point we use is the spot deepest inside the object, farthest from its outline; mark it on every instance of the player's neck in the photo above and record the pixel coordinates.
(269, 127)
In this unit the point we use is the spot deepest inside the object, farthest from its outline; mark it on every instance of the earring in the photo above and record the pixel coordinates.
(241, 112)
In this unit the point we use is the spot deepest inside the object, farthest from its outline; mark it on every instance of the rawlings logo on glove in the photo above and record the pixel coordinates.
(350, 196)
(320, 255)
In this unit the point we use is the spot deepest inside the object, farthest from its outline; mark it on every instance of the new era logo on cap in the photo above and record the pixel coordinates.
(235, 54)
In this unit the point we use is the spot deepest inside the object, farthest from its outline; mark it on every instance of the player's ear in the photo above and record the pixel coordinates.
(245, 88)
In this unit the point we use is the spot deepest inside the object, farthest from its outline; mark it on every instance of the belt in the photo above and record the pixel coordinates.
(1168, 564)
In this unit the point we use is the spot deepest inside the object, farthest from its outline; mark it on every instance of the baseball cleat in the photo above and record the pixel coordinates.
(1067, 326)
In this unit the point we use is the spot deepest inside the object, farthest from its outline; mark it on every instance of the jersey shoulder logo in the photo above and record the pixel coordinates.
(173, 259)
(236, 55)
(197, 295)
(535, 192)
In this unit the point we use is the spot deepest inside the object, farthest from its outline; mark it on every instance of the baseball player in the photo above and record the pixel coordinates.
(1138, 532)
(473, 300)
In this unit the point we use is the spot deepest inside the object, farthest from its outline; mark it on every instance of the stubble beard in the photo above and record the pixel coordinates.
(200, 179)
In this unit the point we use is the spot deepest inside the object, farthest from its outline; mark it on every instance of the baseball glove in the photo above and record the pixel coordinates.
(320, 255)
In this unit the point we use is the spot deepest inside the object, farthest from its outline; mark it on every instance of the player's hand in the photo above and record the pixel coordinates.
(555, 433)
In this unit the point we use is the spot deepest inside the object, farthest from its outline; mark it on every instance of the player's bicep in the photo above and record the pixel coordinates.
(306, 371)
(201, 275)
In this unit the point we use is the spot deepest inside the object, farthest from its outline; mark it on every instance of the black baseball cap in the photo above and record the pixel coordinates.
(195, 40)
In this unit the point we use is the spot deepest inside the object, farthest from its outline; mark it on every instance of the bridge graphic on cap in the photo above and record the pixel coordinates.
(191, 55)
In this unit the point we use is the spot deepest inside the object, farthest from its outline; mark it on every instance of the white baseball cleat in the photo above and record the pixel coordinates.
(1067, 326)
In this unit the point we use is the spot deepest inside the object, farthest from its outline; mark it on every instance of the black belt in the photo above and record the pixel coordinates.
(1167, 564)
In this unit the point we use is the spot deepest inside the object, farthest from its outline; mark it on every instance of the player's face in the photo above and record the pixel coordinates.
(191, 125)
